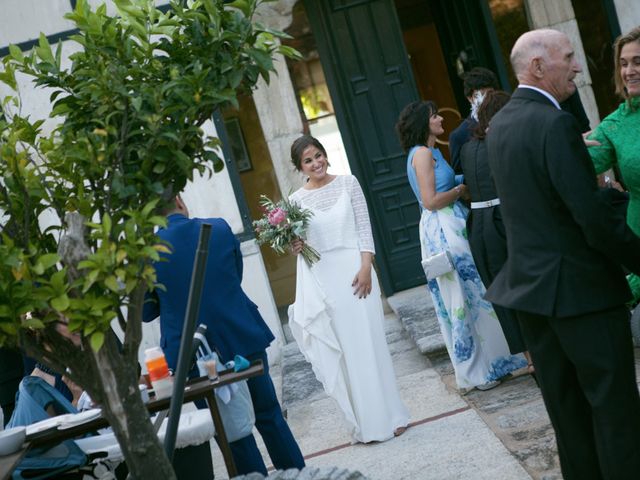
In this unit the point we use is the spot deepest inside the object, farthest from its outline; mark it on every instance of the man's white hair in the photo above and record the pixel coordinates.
(530, 45)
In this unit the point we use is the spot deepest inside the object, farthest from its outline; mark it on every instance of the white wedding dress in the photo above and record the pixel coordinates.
(341, 335)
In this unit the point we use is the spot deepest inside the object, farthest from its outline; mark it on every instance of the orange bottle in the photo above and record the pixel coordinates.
(158, 369)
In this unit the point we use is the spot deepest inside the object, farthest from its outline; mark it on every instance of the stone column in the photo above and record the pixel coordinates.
(559, 15)
(628, 13)
(277, 105)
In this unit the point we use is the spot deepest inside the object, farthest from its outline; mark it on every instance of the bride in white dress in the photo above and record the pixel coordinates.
(337, 318)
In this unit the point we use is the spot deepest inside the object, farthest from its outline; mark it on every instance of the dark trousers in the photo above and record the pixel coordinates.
(585, 368)
(273, 428)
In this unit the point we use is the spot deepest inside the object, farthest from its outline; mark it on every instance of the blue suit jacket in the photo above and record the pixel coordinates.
(235, 327)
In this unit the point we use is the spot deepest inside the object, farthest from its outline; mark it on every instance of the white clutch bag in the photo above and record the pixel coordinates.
(437, 265)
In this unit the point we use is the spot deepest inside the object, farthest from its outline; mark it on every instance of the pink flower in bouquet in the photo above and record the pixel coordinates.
(277, 216)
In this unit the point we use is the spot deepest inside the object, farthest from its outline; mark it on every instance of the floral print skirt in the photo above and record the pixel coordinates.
(469, 325)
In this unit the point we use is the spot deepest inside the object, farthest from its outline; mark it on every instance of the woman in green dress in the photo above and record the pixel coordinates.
(619, 133)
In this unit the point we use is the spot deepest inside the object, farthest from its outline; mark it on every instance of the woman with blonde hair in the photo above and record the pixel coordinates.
(615, 142)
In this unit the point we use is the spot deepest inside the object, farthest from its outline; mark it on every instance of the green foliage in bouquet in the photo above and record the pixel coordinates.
(282, 223)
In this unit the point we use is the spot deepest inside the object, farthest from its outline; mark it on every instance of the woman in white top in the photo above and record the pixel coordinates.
(337, 318)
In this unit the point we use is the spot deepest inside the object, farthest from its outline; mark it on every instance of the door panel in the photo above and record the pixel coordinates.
(370, 78)
(363, 55)
(465, 40)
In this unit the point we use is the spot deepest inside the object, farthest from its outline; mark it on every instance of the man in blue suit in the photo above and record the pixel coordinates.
(234, 326)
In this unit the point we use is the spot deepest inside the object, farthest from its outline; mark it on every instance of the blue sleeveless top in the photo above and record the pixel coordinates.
(445, 177)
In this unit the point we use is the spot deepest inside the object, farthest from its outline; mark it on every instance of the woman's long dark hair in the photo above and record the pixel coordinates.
(413, 124)
(493, 101)
(298, 147)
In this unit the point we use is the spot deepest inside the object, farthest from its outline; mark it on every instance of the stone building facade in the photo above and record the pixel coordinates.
(433, 42)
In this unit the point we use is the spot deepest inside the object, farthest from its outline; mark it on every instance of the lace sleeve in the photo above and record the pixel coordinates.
(363, 225)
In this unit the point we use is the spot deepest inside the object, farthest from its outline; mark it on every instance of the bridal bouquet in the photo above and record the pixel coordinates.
(282, 223)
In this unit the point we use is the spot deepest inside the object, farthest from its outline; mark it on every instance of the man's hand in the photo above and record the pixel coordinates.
(590, 143)
(605, 181)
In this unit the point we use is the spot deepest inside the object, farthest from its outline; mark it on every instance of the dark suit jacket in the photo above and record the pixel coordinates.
(234, 324)
(573, 105)
(457, 139)
(565, 241)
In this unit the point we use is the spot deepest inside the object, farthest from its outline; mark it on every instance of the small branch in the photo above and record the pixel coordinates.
(94, 188)
(119, 159)
(73, 247)
(27, 216)
(11, 227)
(121, 320)
(133, 332)
(57, 206)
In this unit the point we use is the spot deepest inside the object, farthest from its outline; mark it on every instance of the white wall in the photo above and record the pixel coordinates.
(23, 20)
(559, 15)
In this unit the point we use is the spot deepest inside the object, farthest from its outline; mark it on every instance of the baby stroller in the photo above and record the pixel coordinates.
(65, 460)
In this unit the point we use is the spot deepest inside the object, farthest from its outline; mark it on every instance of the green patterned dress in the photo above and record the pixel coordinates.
(619, 135)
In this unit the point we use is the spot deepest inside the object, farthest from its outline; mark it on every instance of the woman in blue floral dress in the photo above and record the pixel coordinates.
(473, 336)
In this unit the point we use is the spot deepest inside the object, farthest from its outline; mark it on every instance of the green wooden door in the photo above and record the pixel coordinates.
(365, 63)
(362, 51)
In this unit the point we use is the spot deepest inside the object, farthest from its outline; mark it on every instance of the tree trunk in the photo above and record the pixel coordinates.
(128, 416)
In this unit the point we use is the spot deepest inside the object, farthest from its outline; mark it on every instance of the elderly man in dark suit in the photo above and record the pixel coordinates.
(235, 326)
(566, 244)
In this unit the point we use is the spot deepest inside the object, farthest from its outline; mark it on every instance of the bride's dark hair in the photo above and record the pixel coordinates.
(298, 146)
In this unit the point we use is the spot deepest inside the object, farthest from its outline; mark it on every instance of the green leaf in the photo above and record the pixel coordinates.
(59, 55)
(243, 6)
(148, 208)
(106, 225)
(16, 53)
(111, 283)
(8, 77)
(96, 341)
(58, 280)
(48, 260)
(32, 322)
(214, 158)
(38, 269)
(43, 51)
(90, 280)
(262, 58)
(290, 52)
(60, 303)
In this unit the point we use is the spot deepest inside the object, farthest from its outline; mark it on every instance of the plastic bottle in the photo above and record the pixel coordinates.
(158, 372)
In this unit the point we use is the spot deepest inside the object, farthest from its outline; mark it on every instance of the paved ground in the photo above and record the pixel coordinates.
(499, 434)
(514, 411)
(447, 439)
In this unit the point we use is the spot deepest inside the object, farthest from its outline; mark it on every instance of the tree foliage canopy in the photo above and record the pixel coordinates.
(78, 204)
(130, 109)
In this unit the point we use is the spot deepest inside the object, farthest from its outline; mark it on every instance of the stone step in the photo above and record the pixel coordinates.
(414, 308)
(299, 383)
(307, 473)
